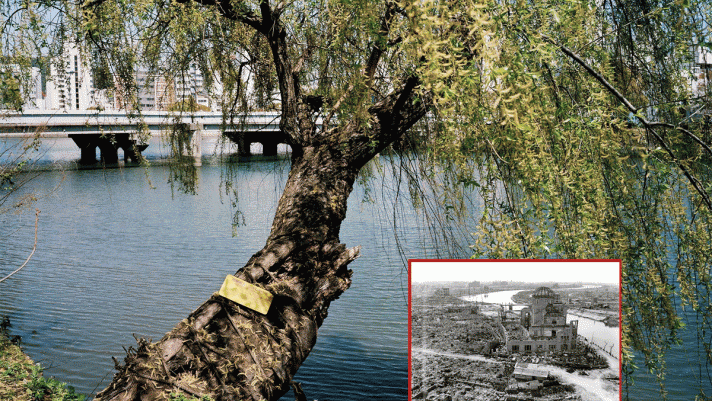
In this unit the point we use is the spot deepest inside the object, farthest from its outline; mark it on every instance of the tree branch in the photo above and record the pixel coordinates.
(381, 41)
(335, 108)
(34, 248)
(594, 73)
(7, 21)
(391, 118)
(374, 58)
(684, 131)
(227, 10)
(648, 125)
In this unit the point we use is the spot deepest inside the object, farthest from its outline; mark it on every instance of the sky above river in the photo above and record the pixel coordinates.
(522, 270)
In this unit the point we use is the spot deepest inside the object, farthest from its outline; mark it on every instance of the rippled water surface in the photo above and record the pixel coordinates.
(119, 254)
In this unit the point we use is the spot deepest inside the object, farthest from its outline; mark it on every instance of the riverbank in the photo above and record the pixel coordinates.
(610, 318)
(22, 380)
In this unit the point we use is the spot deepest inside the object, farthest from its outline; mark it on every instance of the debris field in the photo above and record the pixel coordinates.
(458, 353)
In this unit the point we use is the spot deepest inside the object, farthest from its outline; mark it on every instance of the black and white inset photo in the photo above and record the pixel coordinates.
(514, 330)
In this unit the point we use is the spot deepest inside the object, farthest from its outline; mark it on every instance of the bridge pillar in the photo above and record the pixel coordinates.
(243, 145)
(88, 154)
(190, 141)
(108, 145)
(108, 149)
(87, 146)
(269, 148)
(196, 143)
(132, 150)
(269, 140)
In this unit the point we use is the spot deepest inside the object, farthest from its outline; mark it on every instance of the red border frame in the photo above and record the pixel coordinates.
(620, 308)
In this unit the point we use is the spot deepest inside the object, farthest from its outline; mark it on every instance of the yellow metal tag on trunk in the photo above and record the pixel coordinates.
(246, 294)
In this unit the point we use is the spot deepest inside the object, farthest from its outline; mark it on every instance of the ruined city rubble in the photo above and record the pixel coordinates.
(458, 353)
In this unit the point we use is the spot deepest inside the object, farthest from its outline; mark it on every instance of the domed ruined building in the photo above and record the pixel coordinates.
(545, 320)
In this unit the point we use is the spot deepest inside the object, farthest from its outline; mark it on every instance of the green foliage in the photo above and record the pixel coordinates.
(533, 109)
(182, 397)
(41, 387)
(183, 173)
(21, 379)
(10, 96)
(561, 171)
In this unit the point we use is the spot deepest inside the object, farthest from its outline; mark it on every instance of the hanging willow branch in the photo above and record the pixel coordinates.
(648, 124)
(34, 248)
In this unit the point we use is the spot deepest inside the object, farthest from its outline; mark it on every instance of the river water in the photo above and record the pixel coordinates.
(116, 258)
(605, 337)
(119, 254)
(497, 297)
(688, 374)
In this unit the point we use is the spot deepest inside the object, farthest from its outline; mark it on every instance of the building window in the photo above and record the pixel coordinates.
(76, 80)
(552, 347)
(515, 348)
(527, 347)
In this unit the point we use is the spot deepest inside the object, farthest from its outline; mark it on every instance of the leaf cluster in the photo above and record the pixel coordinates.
(564, 168)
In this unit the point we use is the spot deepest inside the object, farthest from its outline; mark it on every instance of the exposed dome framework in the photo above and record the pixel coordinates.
(545, 292)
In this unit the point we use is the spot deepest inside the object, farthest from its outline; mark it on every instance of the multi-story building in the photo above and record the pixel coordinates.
(545, 321)
(156, 92)
(701, 72)
(69, 85)
(191, 84)
(36, 93)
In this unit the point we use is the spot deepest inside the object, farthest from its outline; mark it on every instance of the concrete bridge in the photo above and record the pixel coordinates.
(110, 131)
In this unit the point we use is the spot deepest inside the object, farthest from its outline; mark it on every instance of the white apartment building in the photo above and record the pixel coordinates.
(70, 86)
(156, 92)
(190, 84)
(36, 99)
(701, 71)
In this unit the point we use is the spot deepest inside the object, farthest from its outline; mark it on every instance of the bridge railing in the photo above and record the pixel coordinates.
(58, 123)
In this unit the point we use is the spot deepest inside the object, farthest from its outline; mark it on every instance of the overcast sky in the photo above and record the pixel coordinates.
(526, 271)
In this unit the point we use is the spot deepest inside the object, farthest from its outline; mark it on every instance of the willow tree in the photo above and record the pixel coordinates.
(345, 94)
(565, 116)
(585, 127)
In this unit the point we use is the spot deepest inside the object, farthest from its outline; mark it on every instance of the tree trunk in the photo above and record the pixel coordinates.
(229, 352)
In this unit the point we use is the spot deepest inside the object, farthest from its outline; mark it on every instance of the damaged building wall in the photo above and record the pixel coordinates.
(545, 321)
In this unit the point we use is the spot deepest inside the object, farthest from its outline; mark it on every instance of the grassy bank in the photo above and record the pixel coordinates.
(22, 380)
